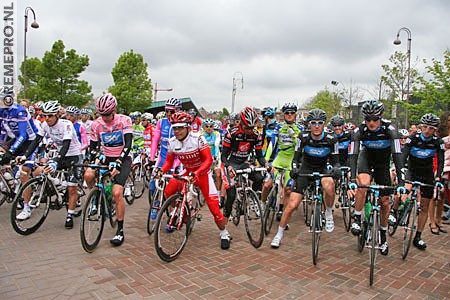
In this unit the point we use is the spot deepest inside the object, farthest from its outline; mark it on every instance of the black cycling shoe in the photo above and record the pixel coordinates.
(118, 239)
(225, 241)
(356, 225)
(279, 215)
(419, 244)
(69, 222)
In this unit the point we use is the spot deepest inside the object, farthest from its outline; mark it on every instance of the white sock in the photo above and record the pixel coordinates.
(329, 213)
(358, 212)
(280, 231)
(70, 211)
(224, 232)
(26, 205)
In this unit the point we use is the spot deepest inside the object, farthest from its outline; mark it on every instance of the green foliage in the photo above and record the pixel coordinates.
(132, 86)
(435, 92)
(328, 101)
(56, 77)
(224, 113)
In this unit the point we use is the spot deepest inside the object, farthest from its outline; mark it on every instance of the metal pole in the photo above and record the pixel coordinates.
(398, 42)
(33, 25)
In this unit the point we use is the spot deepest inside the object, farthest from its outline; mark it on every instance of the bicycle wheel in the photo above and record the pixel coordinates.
(92, 221)
(236, 211)
(362, 236)
(253, 219)
(346, 210)
(192, 212)
(271, 209)
(171, 228)
(156, 202)
(139, 181)
(306, 203)
(201, 200)
(374, 242)
(410, 227)
(129, 190)
(39, 204)
(3, 189)
(111, 212)
(316, 224)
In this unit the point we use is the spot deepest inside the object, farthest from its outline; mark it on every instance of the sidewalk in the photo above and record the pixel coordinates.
(51, 264)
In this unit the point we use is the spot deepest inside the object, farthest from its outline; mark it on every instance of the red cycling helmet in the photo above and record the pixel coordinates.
(180, 119)
(249, 117)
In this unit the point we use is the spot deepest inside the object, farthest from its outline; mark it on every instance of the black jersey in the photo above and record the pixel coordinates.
(316, 153)
(343, 140)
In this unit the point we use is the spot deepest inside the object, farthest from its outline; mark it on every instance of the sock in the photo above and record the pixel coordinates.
(224, 233)
(26, 206)
(280, 231)
(383, 235)
(281, 207)
(418, 235)
(119, 226)
(329, 212)
(357, 212)
(70, 212)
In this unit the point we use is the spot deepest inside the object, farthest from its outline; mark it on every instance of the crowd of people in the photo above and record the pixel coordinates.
(210, 151)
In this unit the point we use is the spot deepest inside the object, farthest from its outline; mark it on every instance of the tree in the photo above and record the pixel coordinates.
(34, 74)
(328, 101)
(132, 86)
(435, 92)
(57, 77)
(224, 113)
(396, 79)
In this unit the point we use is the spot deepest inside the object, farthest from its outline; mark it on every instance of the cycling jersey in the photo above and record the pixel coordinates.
(163, 132)
(283, 143)
(138, 132)
(376, 149)
(420, 152)
(16, 123)
(344, 140)
(238, 146)
(111, 134)
(88, 125)
(315, 153)
(213, 140)
(268, 131)
(196, 124)
(63, 130)
(80, 129)
(147, 136)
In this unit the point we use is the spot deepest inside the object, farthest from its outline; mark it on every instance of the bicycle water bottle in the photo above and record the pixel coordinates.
(367, 210)
(108, 192)
(404, 205)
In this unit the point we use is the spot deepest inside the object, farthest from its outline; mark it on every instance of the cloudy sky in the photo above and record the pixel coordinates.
(287, 50)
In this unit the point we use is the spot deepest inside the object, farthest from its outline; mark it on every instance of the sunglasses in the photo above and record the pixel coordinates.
(427, 127)
(169, 111)
(372, 118)
(316, 123)
(106, 115)
(178, 127)
(49, 116)
(290, 113)
(208, 126)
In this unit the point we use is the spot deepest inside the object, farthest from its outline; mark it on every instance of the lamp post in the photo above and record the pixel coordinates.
(398, 42)
(236, 79)
(349, 102)
(33, 25)
(156, 90)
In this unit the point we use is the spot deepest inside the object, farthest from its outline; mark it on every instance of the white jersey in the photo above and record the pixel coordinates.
(87, 124)
(63, 130)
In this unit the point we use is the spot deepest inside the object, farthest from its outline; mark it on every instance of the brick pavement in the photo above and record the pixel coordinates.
(50, 264)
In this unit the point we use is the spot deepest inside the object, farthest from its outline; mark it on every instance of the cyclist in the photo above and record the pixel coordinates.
(86, 119)
(343, 137)
(196, 123)
(284, 139)
(138, 130)
(113, 132)
(269, 126)
(419, 150)
(312, 153)
(238, 144)
(379, 141)
(73, 114)
(148, 131)
(213, 139)
(64, 137)
(193, 151)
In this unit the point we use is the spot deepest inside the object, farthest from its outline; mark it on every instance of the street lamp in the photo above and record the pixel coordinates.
(349, 100)
(398, 42)
(233, 94)
(156, 90)
(33, 25)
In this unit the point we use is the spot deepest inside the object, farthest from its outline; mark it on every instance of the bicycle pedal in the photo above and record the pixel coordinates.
(336, 205)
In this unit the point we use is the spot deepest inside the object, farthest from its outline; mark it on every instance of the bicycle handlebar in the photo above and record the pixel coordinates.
(250, 170)
(315, 175)
(184, 178)
(416, 183)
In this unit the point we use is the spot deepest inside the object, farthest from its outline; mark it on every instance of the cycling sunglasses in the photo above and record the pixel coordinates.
(316, 123)
(372, 118)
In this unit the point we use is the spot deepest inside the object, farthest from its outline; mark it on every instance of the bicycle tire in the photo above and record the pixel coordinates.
(170, 250)
(306, 214)
(409, 230)
(4, 189)
(139, 182)
(316, 228)
(362, 236)
(192, 210)
(236, 209)
(93, 213)
(253, 219)
(346, 210)
(112, 213)
(271, 210)
(39, 204)
(157, 194)
(200, 199)
(392, 229)
(374, 243)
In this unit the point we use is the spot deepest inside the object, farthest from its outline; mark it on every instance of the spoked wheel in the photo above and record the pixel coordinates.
(271, 210)
(200, 199)
(92, 221)
(39, 206)
(236, 211)
(155, 206)
(373, 243)
(129, 190)
(139, 180)
(362, 236)
(316, 225)
(253, 220)
(171, 229)
(346, 210)
(306, 210)
(410, 227)
(393, 228)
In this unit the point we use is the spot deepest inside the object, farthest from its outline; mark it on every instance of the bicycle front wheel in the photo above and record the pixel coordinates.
(271, 210)
(129, 190)
(316, 225)
(253, 219)
(172, 228)
(306, 203)
(139, 180)
(346, 210)
(156, 202)
(410, 227)
(374, 242)
(39, 206)
(92, 221)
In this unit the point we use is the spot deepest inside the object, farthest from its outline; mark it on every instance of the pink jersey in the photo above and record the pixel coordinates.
(111, 134)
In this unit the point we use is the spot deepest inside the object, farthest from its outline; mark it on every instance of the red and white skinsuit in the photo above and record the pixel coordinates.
(194, 154)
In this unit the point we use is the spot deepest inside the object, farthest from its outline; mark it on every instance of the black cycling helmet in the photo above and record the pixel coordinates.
(373, 108)
(430, 120)
(336, 121)
(316, 114)
(289, 107)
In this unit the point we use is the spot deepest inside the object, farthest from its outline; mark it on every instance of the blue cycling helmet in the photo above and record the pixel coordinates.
(268, 112)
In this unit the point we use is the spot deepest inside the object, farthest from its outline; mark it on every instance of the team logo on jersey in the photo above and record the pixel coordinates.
(317, 152)
(244, 147)
(112, 139)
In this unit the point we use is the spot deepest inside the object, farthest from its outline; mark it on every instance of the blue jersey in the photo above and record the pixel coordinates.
(17, 123)
(213, 140)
